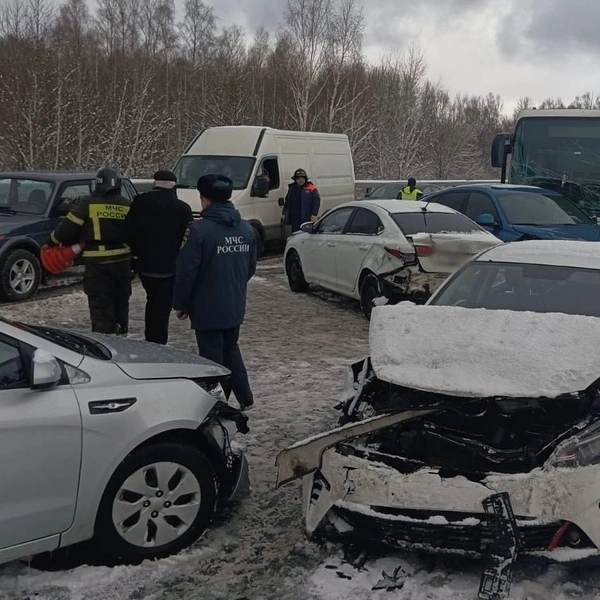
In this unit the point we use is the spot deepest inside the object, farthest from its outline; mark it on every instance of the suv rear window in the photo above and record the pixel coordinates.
(426, 222)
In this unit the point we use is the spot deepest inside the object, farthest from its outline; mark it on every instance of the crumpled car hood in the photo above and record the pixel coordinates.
(142, 360)
(484, 353)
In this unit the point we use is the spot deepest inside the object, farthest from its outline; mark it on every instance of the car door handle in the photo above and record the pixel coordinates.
(331, 244)
(363, 247)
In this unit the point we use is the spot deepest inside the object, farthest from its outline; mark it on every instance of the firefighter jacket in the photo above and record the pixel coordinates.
(408, 194)
(99, 222)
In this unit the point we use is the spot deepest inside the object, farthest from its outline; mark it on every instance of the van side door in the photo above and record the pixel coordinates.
(268, 210)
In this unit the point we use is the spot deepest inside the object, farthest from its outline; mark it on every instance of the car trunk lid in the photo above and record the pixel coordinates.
(446, 252)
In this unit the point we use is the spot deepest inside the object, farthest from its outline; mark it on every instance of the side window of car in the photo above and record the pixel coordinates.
(480, 204)
(12, 369)
(365, 222)
(335, 221)
(127, 190)
(270, 169)
(453, 200)
(71, 194)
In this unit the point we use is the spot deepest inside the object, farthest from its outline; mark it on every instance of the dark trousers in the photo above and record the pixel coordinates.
(221, 346)
(108, 288)
(159, 302)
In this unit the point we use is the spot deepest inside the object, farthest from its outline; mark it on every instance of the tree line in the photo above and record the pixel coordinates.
(131, 85)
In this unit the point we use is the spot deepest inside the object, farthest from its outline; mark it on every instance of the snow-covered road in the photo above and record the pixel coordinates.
(296, 348)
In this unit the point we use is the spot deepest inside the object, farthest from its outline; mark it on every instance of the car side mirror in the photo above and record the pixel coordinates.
(260, 188)
(486, 220)
(46, 372)
(307, 227)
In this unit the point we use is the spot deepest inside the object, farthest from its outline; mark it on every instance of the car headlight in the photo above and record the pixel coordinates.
(214, 389)
(579, 451)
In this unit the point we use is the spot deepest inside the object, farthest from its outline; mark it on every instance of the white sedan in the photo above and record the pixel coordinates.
(121, 441)
(379, 251)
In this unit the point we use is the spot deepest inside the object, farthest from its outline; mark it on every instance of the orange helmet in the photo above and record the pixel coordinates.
(57, 259)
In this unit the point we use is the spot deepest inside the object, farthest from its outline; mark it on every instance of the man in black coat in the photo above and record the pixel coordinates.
(156, 226)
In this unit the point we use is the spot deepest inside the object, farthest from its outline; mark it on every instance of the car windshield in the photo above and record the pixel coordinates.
(524, 208)
(523, 287)
(387, 191)
(428, 222)
(190, 168)
(24, 196)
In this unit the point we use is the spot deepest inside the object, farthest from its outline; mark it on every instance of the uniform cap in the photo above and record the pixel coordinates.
(215, 187)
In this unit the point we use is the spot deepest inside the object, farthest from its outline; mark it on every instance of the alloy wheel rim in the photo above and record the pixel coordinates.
(156, 504)
(22, 276)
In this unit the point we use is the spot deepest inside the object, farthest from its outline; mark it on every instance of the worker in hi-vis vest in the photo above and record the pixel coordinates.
(411, 191)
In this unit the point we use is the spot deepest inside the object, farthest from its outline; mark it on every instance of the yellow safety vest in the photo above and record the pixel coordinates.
(408, 195)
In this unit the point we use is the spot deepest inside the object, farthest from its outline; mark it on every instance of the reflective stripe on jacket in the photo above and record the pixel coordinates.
(99, 222)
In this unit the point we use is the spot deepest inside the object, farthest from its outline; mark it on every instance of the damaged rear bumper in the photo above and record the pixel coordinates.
(411, 282)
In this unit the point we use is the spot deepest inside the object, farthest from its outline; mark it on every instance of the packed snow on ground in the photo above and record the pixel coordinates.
(484, 353)
(257, 549)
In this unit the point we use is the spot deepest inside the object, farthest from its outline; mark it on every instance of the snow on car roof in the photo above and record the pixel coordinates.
(564, 253)
(407, 206)
(484, 353)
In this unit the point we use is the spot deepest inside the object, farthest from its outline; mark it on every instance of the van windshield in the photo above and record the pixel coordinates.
(190, 168)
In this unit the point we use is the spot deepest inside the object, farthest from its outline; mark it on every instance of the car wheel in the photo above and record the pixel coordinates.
(295, 274)
(20, 275)
(370, 290)
(159, 501)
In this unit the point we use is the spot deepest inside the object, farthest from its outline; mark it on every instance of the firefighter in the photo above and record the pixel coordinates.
(217, 260)
(98, 221)
(302, 202)
(411, 191)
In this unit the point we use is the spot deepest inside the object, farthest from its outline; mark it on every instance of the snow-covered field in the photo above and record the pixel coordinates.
(297, 349)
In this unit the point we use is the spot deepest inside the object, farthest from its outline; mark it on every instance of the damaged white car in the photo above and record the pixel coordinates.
(383, 251)
(467, 431)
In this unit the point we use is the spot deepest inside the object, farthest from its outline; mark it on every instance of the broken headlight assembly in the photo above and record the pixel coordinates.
(579, 451)
(214, 388)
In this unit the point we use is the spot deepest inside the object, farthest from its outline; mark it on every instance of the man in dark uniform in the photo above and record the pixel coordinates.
(302, 202)
(216, 262)
(99, 222)
(155, 226)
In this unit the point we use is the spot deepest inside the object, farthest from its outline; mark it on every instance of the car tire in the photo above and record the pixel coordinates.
(20, 274)
(370, 289)
(160, 500)
(295, 274)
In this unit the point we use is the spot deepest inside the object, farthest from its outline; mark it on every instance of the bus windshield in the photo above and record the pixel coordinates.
(190, 168)
(559, 153)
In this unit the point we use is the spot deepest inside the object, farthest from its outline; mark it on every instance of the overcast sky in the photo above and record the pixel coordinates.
(515, 48)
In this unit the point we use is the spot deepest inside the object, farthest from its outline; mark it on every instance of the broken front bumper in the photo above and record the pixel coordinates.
(351, 496)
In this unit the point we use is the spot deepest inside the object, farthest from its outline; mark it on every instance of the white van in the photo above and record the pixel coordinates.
(243, 153)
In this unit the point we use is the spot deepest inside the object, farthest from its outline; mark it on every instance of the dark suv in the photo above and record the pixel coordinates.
(31, 205)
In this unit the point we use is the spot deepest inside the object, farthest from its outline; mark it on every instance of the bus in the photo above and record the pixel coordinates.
(554, 149)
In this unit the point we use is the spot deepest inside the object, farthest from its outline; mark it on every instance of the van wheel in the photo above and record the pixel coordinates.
(20, 275)
(159, 501)
(370, 290)
(293, 268)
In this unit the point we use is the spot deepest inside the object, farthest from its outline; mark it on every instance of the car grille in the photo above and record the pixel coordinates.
(456, 538)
